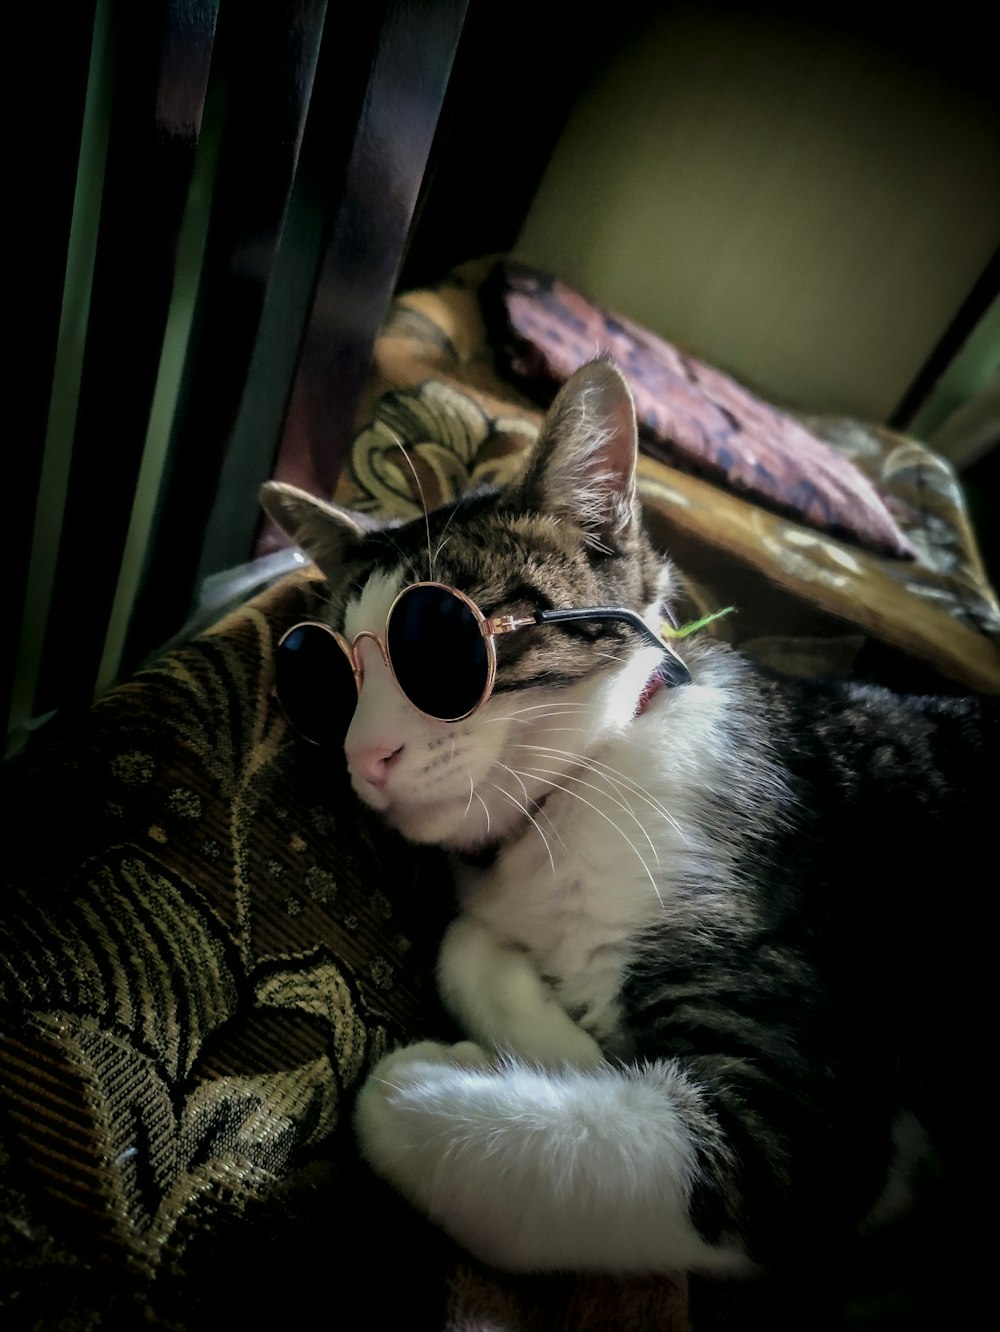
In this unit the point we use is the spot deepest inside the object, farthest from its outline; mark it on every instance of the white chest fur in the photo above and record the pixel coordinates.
(576, 894)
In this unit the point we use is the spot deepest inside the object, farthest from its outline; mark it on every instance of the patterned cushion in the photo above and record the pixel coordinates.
(443, 413)
(205, 940)
(690, 414)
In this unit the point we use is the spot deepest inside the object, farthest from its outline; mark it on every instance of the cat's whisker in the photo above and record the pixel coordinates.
(441, 542)
(621, 803)
(528, 815)
(560, 730)
(472, 792)
(423, 503)
(543, 710)
(549, 730)
(486, 810)
(612, 774)
(517, 777)
(617, 827)
(565, 704)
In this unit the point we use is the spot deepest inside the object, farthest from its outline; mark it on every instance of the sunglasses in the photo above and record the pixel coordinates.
(439, 648)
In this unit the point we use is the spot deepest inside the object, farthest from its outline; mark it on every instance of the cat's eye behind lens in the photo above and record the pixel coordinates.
(314, 683)
(437, 650)
(434, 646)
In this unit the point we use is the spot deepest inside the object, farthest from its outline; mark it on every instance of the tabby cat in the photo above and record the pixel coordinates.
(710, 951)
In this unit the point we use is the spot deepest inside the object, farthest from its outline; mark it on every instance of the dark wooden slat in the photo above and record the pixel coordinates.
(43, 164)
(264, 64)
(339, 94)
(160, 67)
(409, 75)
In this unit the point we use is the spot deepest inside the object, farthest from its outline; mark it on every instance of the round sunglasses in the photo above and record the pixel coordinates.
(439, 648)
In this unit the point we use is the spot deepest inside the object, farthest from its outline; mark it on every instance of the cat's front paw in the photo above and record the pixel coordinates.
(553, 1040)
(403, 1063)
(400, 1116)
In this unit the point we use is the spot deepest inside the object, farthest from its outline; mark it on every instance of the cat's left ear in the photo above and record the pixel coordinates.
(323, 531)
(583, 466)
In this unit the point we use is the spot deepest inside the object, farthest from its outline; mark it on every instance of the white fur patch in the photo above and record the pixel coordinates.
(621, 829)
(537, 1170)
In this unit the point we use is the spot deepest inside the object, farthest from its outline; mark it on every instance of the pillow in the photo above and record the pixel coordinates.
(205, 941)
(690, 415)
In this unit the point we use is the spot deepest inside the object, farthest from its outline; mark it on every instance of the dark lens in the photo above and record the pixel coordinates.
(438, 652)
(315, 684)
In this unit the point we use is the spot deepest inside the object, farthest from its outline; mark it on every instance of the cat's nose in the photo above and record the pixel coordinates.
(373, 762)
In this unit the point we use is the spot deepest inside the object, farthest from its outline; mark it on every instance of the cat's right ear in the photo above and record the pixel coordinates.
(321, 530)
(582, 468)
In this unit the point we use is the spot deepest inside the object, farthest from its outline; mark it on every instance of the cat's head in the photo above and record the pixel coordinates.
(568, 535)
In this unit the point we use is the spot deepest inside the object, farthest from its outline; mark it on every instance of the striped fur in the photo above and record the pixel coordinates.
(711, 968)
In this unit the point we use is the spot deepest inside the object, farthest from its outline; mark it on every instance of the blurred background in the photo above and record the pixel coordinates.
(218, 202)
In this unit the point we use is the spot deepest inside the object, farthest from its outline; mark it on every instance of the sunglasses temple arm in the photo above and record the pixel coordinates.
(677, 672)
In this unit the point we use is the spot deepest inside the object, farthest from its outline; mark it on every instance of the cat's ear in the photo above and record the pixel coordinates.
(319, 529)
(583, 466)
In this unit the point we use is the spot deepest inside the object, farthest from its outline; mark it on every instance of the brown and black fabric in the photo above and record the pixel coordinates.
(205, 940)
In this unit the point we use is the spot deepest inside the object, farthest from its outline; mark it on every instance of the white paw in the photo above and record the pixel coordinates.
(403, 1062)
(553, 1040)
(469, 1055)
(401, 1115)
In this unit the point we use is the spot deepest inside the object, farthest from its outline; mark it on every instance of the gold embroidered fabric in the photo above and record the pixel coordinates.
(205, 940)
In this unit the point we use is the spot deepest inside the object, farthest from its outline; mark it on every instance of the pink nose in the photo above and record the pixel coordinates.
(373, 762)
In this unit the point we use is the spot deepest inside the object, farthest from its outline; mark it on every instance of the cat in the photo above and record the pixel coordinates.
(709, 954)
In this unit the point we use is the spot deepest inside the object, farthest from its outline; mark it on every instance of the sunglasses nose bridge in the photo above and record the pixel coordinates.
(353, 651)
